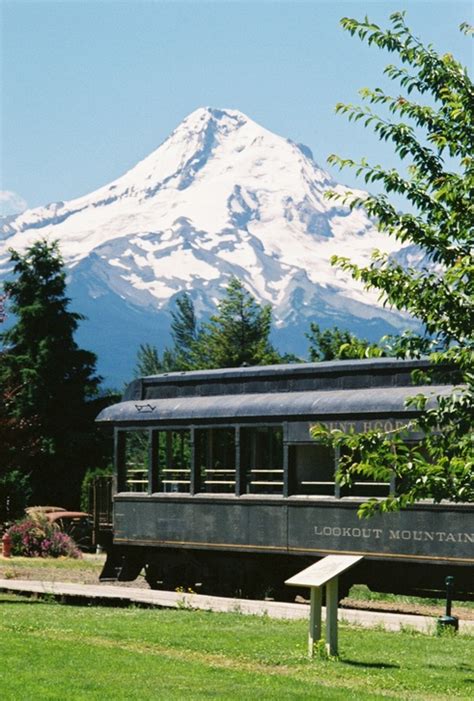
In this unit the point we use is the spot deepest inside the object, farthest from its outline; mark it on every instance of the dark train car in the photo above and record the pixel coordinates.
(218, 482)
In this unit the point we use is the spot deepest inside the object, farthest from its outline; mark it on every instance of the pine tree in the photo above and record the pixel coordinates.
(54, 380)
(148, 361)
(185, 333)
(238, 334)
(19, 442)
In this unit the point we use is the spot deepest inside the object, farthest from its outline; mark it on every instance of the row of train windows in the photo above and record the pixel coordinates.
(210, 464)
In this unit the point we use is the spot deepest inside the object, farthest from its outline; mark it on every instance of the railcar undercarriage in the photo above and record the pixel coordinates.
(257, 576)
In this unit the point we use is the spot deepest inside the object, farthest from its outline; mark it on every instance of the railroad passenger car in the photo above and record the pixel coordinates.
(218, 482)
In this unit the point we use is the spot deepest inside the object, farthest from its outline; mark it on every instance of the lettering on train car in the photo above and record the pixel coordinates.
(377, 533)
(385, 425)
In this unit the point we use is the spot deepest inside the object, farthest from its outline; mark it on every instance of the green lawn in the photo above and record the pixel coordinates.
(360, 592)
(87, 563)
(53, 651)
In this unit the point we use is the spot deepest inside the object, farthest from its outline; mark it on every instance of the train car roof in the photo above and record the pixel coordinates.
(320, 368)
(345, 374)
(272, 405)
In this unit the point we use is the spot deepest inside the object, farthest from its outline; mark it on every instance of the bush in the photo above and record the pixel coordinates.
(37, 537)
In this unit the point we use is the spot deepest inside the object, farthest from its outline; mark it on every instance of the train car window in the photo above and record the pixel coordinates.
(174, 460)
(261, 456)
(312, 467)
(215, 460)
(135, 457)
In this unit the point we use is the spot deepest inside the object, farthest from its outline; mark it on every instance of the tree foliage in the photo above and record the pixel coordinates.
(185, 334)
(148, 361)
(52, 382)
(337, 344)
(430, 125)
(237, 334)
(20, 441)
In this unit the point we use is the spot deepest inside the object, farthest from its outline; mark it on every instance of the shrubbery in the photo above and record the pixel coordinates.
(37, 537)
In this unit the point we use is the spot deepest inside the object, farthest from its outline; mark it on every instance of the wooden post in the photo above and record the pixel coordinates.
(331, 616)
(314, 633)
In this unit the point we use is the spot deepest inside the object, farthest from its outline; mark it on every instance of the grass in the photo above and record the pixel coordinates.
(92, 563)
(52, 651)
(359, 592)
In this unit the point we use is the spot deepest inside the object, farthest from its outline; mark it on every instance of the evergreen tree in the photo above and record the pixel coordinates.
(185, 333)
(437, 137)
(54, 380)
(238, 334)
(334, 344)
(148, 361)
(19, 442)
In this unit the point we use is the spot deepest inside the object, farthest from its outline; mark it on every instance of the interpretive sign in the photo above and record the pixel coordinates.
(325, 572)
(322, 571)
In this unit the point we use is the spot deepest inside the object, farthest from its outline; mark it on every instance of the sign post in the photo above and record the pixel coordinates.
(324, 572)
(314, 618)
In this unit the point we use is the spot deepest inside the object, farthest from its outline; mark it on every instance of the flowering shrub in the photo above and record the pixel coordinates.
(37, 537)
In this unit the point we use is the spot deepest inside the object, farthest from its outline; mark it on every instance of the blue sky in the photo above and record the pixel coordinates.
(90, 88)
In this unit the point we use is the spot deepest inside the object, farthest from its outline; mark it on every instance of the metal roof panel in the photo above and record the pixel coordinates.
(283, 405)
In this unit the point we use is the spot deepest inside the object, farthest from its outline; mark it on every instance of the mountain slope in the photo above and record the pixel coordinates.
(221, 196)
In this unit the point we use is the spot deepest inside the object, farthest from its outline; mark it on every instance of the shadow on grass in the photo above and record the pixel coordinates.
(371, 665)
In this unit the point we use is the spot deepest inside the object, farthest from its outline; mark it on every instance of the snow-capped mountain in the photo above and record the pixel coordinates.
(221, 196)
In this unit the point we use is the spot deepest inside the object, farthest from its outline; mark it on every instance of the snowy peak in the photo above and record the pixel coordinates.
(221, 196)
(226, 138)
